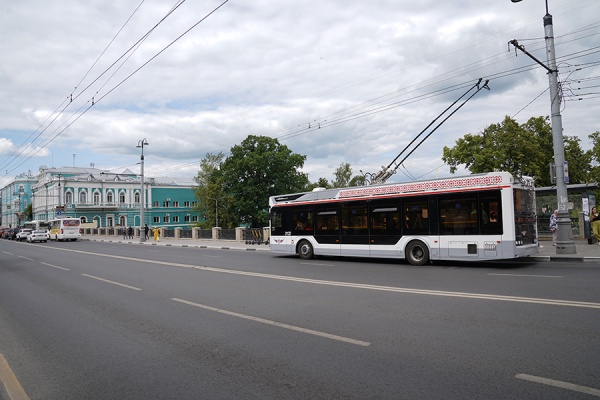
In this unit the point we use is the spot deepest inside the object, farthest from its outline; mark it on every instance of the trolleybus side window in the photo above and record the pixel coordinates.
(459, 214)
(491, 213)
(355, 228)
(302, 220)
(385, 222)
(415, 216)
(278, 217)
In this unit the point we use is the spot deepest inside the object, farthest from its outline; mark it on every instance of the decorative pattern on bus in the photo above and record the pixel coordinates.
(422, 186)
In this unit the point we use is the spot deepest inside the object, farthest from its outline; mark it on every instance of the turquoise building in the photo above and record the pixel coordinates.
(102, 198)
(15, 197)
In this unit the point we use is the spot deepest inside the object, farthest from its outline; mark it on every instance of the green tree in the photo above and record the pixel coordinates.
(594, 154)
(212, 199)
(579, 161)
(29, 212)
(342, 174)
(257, 168)
(525, 149)
(321, 183)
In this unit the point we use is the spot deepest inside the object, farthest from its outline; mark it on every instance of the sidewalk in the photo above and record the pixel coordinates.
(585, 252)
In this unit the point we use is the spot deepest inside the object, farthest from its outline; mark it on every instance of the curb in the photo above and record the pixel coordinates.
(197, 246)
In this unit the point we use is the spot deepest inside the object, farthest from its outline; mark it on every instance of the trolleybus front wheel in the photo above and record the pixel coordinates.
(417, 253)
(305, 250)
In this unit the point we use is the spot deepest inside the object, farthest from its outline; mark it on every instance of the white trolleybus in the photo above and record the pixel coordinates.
(65, 229)
(478, 217)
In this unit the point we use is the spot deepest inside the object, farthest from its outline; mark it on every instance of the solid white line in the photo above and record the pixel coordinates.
(529, 276)
(559, 384)
(318, 264)
(56, 266)
(6, 252)
(516, 299)
(27, 258)
(113, 282)
(12, 386)
(275, 323)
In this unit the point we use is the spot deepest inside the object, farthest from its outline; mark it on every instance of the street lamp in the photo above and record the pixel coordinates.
(216, 210)
(141, 144)
(564, 243)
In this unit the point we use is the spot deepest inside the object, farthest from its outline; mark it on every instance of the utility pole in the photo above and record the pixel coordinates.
(564, 243)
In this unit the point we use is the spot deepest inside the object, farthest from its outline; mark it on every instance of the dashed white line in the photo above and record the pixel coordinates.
(27, 258)
(56, 266)
(275, 323)
(113, 282)
(559, 384)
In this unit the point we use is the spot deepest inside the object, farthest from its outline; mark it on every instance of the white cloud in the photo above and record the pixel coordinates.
(272, 68)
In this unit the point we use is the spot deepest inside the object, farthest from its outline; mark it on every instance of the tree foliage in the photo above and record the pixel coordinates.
(213, 201)
(257, 168)
(525, 149)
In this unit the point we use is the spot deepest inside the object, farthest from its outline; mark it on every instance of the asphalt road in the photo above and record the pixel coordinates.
(90, 320)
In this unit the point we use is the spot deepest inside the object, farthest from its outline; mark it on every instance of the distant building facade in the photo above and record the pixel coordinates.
(104, 199)
(14, 199)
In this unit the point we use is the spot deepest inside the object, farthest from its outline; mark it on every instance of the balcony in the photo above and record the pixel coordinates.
(103, 206)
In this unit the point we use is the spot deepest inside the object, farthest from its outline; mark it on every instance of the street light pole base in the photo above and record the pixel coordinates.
(566, 248)
(142, 239)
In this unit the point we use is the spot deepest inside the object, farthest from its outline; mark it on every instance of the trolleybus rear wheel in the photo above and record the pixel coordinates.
(417, 253)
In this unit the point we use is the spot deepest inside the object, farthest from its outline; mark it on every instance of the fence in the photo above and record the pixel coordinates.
(249, 235)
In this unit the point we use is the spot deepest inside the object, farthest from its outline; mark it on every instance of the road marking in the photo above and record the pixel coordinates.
(529, 276)
(113, 282)
(6, 252)
(559, 384)
(480, 296)
(12, 386)
(27, 258)
(318, 264)
(56, 266)
(275, 323)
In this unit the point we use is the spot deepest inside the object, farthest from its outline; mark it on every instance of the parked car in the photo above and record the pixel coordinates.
(37, 236)
(9, 234)
(22, 234)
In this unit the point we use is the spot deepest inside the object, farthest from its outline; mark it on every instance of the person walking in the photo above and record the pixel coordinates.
(553, 226)
(146, 230)
(595, 222)
(130, 232)
(124, 232)
(156, 232)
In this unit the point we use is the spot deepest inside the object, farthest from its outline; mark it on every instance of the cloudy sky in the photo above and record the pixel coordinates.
(82, 82)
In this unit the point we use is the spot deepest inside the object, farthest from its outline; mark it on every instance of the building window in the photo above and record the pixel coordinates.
(136, 198)
(186, 218)
(155, 204)
(194, 204)
(122, 198)
(109, 198)
(194, 218)
(166, 219)
(122, 220)
(68, 198)
(156, 220)
(96, 198)
(83, 220)
(82, 197)
(176, 219)
(165, 204)
(175, 204)
(110, 222)
(186, 203)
